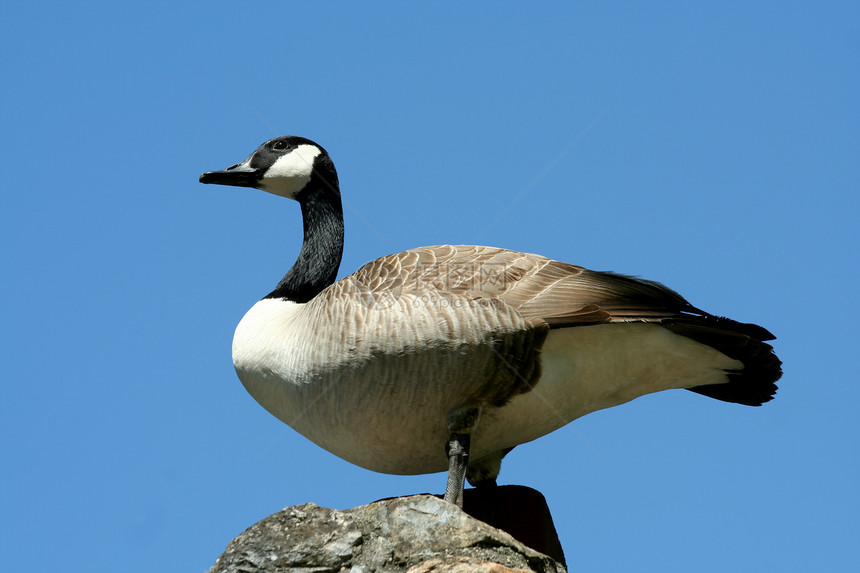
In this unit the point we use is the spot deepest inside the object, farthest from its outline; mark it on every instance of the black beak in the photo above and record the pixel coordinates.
(240, 175)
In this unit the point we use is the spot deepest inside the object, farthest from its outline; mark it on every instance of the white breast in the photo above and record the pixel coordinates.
(373, 384)
(370, 383)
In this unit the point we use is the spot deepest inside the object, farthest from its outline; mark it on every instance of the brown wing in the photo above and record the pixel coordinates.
(539, 288)
(565, 295)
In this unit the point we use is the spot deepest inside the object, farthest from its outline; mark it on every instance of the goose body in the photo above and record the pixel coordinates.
(386, 366)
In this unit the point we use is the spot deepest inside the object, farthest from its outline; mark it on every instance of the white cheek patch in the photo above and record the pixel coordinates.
(291, 172)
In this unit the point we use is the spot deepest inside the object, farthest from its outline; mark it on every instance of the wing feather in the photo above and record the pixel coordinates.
(559, 295)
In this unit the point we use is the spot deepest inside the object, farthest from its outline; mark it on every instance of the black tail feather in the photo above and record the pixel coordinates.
(753, 385)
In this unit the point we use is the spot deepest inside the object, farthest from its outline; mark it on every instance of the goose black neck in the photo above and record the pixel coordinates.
(318, 261)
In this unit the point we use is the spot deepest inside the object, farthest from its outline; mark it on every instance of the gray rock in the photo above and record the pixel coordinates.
(416, 534)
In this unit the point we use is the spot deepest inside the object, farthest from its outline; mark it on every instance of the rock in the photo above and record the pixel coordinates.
(416, 534)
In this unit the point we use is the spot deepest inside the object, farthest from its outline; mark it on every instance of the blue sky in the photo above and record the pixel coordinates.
(714, 149)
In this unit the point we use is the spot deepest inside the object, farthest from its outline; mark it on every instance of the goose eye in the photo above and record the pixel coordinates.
(279, 145)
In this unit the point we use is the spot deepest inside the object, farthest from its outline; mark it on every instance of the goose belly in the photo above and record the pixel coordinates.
(373, 387)
(590, 368)
(381, 401)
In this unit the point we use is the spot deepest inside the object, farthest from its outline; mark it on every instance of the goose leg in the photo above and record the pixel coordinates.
(461, 421)
(458, 459)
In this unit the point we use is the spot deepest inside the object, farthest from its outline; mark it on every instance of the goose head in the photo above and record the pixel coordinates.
(299, 169)
(284, 166)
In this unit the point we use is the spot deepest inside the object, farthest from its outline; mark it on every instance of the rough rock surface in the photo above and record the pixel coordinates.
(416, 534)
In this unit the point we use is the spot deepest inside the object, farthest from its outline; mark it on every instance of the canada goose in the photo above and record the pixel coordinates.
(449, 356)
